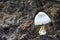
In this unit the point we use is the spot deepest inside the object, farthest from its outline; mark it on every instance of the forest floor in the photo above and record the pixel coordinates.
(17, 19)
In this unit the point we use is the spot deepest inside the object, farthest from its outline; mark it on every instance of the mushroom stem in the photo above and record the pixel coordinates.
(42, 30)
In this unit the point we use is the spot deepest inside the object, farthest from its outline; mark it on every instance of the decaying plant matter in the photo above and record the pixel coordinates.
(17, 19)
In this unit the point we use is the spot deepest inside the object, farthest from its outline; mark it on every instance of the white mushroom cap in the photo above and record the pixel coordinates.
(41, 18)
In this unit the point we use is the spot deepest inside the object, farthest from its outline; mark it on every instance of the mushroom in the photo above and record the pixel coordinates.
(42, 19)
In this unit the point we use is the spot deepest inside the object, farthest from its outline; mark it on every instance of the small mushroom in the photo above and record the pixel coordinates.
(42, 19)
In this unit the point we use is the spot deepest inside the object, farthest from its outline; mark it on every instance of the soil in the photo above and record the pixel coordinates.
(17, 19)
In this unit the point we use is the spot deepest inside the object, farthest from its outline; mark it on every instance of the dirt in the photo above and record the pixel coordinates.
(17, 19)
